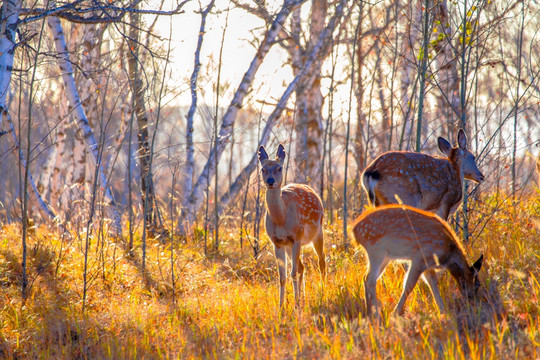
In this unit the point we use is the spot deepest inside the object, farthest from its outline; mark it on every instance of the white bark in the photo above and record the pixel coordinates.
(45, 175)
(79, 114)
(192, 204)
(190, 159)
(58, 167)
(93, 76)
(9, 15)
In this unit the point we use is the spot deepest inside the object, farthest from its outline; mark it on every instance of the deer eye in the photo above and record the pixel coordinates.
(264, 171)
(279, 169)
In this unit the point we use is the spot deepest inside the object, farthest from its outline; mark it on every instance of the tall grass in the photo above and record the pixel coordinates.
(227, 305)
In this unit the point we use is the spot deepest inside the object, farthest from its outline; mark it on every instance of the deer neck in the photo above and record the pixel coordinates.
(456, 166)
(275, 206)
(459, 270)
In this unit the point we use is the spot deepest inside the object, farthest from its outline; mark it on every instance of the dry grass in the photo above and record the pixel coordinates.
(226, 306)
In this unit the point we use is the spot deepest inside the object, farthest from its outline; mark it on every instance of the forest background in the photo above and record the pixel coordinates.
(132, 127)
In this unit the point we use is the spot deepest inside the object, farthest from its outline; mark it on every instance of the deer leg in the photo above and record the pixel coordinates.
(281, 259)
(430, 278)
(296, 267)
(443, 211)
(301, 290)
(376, 267)
(415, 270)
(318, 245)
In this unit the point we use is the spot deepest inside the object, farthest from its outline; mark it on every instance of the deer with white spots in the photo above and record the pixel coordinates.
(422, 181)
(294, 215)
(400, 232)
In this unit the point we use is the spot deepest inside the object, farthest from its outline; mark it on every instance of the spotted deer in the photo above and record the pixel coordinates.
(294, 215)
(421, 238)
(422, 181)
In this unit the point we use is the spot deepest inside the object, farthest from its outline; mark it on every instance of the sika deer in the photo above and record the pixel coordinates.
(294, 217)
(400, 232)
(420, 180)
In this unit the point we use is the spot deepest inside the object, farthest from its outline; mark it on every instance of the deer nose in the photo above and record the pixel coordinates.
(481, 177)
(270, 181)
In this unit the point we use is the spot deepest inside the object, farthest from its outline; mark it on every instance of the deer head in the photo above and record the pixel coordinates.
(272, 170)
(461, 157)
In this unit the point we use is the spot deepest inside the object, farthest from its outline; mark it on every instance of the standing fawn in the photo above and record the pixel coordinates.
(400, 232)
(294, 217)
(422, 181)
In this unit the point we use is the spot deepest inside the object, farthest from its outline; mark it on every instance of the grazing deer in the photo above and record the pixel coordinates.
(401, 232)
(422, 181)
(294, 217)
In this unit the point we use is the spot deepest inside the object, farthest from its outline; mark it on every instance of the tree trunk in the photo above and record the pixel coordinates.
(80, 116)
(309, 103)
(88, 80)
(50, 166)
(448, 98)
(359, 91)
(384, 138)
(59, 166)
(138, 90)
(9, 15)
(408, 69)
(426, 9)
(190, 152)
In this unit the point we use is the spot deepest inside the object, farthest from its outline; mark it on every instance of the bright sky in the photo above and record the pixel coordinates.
(237, 53)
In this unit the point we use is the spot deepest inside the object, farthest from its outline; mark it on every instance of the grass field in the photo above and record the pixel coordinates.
(226, 305)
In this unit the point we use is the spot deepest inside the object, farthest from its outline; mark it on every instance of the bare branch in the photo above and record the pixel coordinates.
(109, 14)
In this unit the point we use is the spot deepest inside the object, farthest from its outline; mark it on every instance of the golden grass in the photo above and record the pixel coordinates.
(226, 306)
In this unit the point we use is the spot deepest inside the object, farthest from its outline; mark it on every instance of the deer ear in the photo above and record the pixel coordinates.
(262, 154)
(444, 146)
(478, 264)
(462, 139)
(280, 155)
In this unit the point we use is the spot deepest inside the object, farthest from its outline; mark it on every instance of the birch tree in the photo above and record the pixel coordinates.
(9, 16)
(14, 20)
(51, 168)
(190, 160)
(80, 116)
(139, 107)
(88, 81)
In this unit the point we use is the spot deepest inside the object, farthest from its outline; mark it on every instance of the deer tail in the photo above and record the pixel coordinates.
(369, 180)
